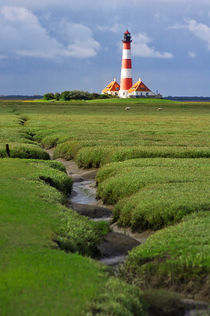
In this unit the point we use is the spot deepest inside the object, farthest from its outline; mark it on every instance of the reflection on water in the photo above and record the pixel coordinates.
(112, 261)
(84, 192)
(105, 219)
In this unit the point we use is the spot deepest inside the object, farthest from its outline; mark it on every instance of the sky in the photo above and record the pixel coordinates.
(57, 45)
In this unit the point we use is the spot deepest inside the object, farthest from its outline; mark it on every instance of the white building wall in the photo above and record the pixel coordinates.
(141, 93)
(123, 94)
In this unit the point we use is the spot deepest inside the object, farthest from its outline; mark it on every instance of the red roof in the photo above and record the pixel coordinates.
(112, 86)
(127, 32)
(139, 86)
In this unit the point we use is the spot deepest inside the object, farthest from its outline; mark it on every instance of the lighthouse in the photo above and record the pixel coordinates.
(126, 70)
(126, 89)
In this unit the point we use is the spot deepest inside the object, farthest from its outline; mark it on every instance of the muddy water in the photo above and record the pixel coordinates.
(115, 246)
(84, 192)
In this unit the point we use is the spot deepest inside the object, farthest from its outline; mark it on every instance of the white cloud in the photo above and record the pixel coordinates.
(192, 54)
(141, 47)
(200, 30)
(80, 49)
(16, 14)
(78, 38)
(115, 28)
(141, 42)
(25, 36)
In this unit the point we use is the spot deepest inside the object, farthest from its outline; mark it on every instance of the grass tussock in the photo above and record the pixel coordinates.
(162, 205)
(78, 234)
(28, 151)
(128, 179)
(97, 156)
(67, 150)
(153, 193)
(176, 257)
(118, 299)
(92, 157)
(113, 169)
(75, 233)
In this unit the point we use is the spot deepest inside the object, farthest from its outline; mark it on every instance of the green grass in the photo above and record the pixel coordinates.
(176, 257)
(153, 193)
(36, 277)
(179, 129)
(163, 179)
(20, 140)
(133, 101)
(128, 301)
(22, 150)
(130, 179)
(162, 205)
(97, 156)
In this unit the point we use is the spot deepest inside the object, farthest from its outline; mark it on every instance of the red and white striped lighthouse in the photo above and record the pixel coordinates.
(126, 71)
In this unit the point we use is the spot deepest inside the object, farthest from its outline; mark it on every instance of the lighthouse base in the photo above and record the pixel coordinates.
(123, 94)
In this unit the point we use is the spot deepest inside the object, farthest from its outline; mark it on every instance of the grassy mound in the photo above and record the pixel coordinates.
(118, 299)
(50, 174)
(97, 156)
(152, 193)
(68, 150)
(162, 205)
(22, 150)
(115, 168)
(128, 179)
(79, 234)
(176, 257)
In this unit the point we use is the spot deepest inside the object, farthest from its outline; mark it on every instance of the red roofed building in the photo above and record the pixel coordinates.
(112, 88)
(140, 89)
(126, 89)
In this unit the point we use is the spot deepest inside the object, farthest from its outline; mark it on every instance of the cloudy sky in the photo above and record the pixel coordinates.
(56, 45)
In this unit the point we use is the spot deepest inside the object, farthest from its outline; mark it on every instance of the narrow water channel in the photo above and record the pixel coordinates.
(114, 248)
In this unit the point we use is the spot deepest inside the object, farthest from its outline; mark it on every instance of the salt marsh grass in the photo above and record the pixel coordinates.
(166, 188)
(176, 257)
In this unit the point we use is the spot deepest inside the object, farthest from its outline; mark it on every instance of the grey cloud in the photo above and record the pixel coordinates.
(22, 34)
